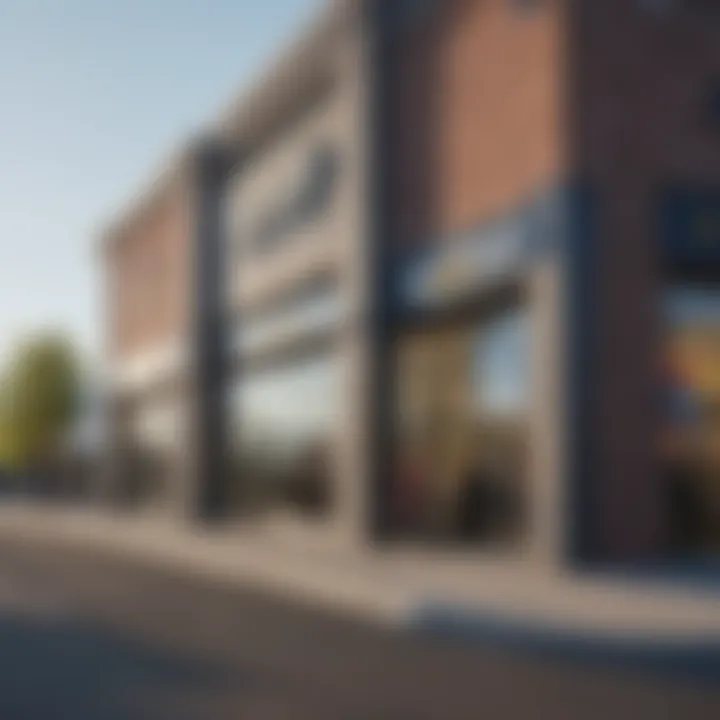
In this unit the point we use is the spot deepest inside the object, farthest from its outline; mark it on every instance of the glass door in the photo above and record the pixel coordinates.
(691, 437)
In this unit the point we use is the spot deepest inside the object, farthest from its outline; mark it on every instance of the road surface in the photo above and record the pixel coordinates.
(85, 636)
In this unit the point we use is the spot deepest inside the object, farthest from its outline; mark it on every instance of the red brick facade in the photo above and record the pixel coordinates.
(148, 268)
(479, 125)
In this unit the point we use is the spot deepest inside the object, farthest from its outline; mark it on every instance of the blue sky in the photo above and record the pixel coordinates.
(94, 94)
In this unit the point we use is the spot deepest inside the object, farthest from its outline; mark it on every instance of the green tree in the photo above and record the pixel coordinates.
(39, 398)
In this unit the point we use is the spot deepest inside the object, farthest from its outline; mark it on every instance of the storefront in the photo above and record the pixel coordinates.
(467, 369)
(691, 442)
(690, 439)
(457, 304)
(463, 394)
(284, 405)
(294, 215)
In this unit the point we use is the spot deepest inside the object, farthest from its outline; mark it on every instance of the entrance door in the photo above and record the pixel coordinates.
(461, 435)
(691, 441)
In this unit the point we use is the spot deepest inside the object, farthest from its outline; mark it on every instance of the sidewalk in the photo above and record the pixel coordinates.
(466, 596)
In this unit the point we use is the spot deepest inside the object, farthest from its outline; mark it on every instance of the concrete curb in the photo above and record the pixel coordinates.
(217, 562)
(378, 599)
(689, 656)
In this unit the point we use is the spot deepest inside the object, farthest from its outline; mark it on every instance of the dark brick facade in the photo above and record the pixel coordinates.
(638, 122)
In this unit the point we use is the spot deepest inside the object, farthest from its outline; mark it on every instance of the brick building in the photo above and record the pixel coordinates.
(147, 255)
(425, 279)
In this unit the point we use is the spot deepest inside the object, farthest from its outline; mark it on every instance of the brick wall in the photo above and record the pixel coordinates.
(478, 96)
(148, 279)
(492, 102)
(640, 87)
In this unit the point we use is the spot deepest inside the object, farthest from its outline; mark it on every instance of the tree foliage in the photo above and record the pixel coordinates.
(39, 397)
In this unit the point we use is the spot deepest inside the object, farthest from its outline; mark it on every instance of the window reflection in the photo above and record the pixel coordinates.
(284, 423)
(149, 439)
(691, 440)
(501, 352)
(463, 397)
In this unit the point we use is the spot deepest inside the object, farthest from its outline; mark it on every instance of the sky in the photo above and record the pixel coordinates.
(94, 96)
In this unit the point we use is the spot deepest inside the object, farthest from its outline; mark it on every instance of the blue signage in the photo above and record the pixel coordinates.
(457, 268)
(691, 227)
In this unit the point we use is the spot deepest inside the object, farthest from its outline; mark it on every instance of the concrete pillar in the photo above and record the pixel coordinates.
(547, 471)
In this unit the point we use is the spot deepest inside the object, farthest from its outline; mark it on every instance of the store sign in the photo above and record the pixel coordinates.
(457, 268)
(308, 196)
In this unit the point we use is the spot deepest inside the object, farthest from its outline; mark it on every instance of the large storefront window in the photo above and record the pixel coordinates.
(691, 438)
(463, 402)
(285, 421)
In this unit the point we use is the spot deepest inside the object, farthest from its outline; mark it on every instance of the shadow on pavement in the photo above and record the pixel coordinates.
(67, 670)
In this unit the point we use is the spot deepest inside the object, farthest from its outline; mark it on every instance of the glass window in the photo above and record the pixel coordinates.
(501, 372)
(463, 394)
(691, 440)
(150, 441)
(285, 420)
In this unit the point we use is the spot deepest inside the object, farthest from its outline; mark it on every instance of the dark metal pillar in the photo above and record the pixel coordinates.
(208, 441)
(378, 57)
